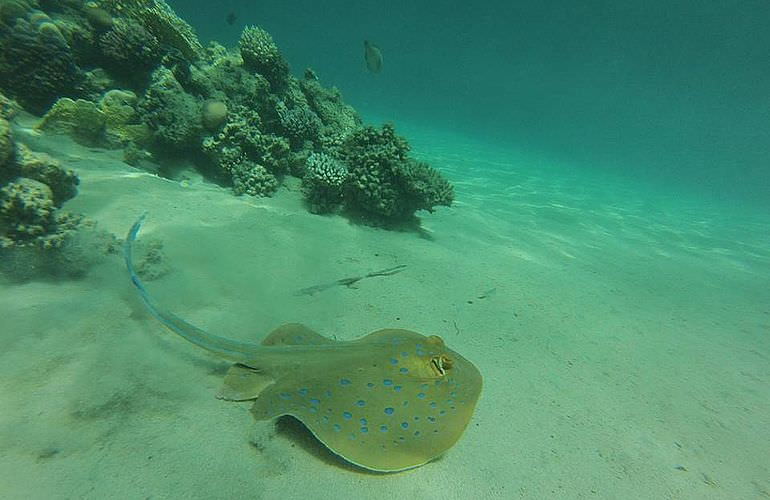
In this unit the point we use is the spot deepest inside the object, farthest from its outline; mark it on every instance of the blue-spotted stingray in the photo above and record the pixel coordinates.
(390, 401)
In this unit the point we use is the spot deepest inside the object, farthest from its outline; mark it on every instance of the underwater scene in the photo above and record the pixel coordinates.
(383, 249)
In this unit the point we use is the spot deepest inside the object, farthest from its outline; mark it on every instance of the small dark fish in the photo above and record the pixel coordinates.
(372, 56)
(231, 18)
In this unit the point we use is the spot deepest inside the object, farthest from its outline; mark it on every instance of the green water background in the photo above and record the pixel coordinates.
(672, 94)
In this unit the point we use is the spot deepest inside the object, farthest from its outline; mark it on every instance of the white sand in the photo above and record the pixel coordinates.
(624, 340)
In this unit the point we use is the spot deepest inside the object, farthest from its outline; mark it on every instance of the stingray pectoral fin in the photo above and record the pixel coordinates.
(295, 334)
(243, 383)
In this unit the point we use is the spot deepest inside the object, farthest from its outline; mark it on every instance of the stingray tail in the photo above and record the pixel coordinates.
(230, 349)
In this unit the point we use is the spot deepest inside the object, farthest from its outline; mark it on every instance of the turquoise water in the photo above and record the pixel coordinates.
(605, 266)
(667, 92)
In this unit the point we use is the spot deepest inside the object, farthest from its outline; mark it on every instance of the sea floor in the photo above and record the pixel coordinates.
(622, 333)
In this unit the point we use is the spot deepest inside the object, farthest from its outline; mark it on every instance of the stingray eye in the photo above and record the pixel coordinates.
(440, 365)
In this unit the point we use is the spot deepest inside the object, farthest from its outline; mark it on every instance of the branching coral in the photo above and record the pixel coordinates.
(241, 136)
(323, 182)
(385, 185)
(300, 123)
(261, 54)
(253, 179)
(424, 187)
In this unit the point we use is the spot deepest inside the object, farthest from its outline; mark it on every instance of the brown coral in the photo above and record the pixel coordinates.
(159, 19)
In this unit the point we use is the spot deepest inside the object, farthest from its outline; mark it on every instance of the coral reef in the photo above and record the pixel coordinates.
(241, 139)
(122, 123)
(214, 114)
(323, 182)
(7, 149)
(128, 47)
(159, 19)
(111, 123)
(37, 239)
(27, 210)
(173, 115)
(337, 117)
(41, 167)
(79, 118)
(261, 54)
(385, 185)
(237, 114)
(36, 64)
(253, 179)
(300, 123)
(97, 17)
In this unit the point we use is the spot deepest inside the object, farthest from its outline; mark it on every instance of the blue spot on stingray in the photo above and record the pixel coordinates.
(302, 392)
(363, 421)
(404, 354)
(325, 419)
(285, 395)
(442, 412)
(387, 381)
(397, 388)
(421, 395)
(388, 411)
(383, 428)
(370, 385)
(360, 402)
(314, 401)
(347, 415)
(404, 425)
(416, 433)
(432, 419)
(364, 430)
(418, 346)
(328, 394)
(393, 361)
(344, 381)
(417, 418)
(404, 369)
(432, 404)
(337, 427)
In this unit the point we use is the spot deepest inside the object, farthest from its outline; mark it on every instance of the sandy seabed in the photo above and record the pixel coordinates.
(622, 335)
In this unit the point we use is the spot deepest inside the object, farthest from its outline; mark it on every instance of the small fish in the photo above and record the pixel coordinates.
(231, 18)
(390, 401)
(372, 56)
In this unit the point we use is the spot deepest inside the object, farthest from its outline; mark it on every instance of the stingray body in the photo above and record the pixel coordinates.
(389, 401)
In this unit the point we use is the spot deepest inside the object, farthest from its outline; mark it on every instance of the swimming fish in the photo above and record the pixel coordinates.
(372, 56)
(390, 401)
